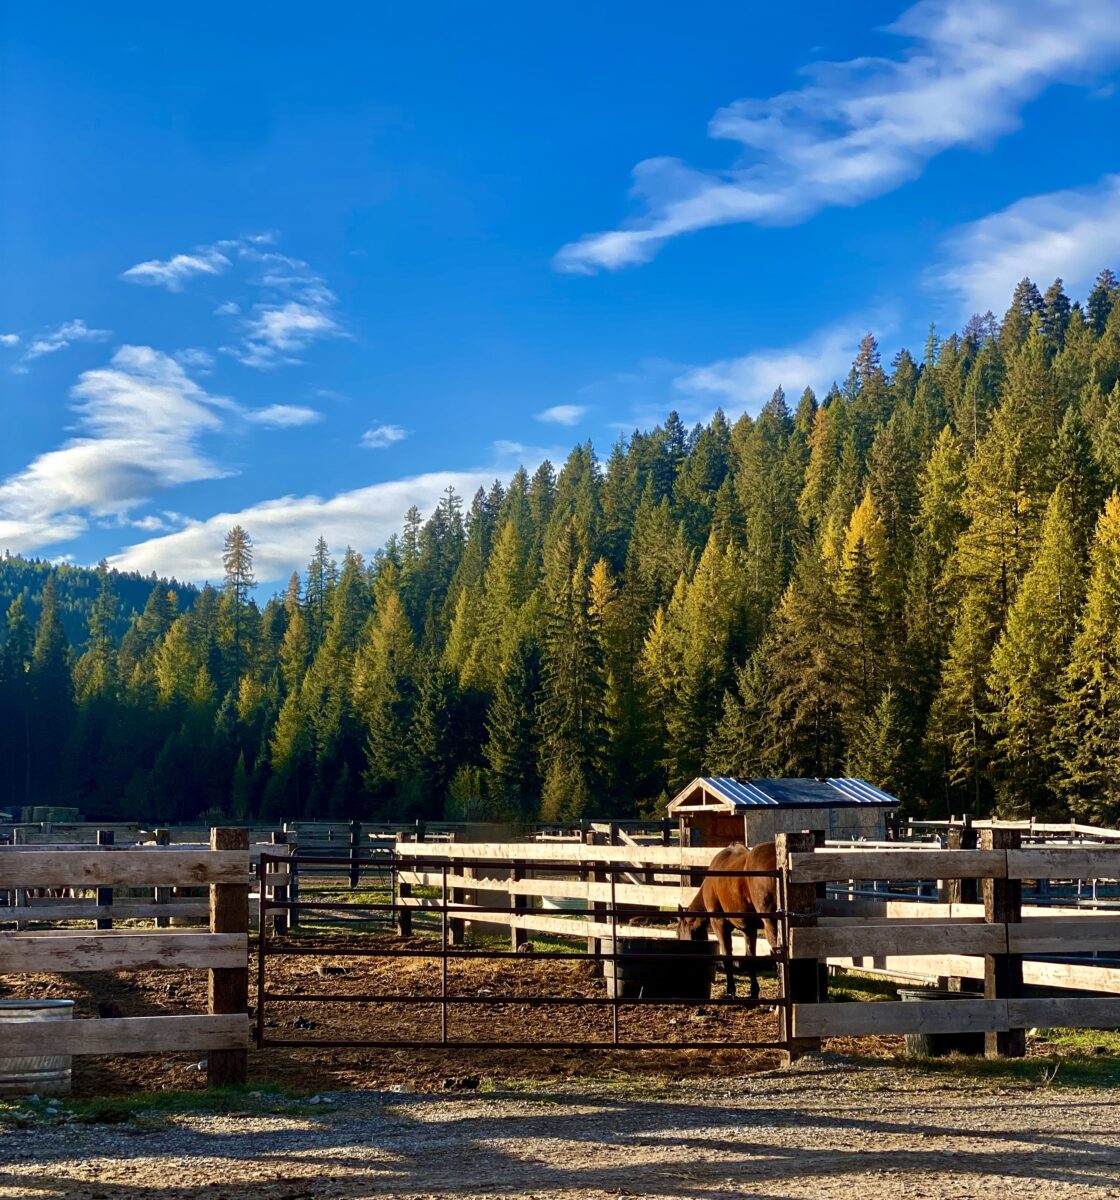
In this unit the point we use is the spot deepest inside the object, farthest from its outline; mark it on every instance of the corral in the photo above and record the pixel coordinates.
(455, 950)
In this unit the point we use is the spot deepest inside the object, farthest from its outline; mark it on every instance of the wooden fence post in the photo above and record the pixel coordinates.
(517, 937)
(105, 837)
(963, 837)
(161, 894)
(1003, 973)
(280, 892)
(355, 852)
(598, 908)
(229, 986)
(799, 976)
(819, 839)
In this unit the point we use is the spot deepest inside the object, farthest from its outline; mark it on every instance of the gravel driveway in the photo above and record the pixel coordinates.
(825, 1129)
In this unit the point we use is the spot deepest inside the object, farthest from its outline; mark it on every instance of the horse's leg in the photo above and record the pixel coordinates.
(723, 936)
(752, 949)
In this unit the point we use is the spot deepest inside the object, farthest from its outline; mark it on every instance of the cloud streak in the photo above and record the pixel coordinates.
(283, 416)
(380, 436)
(285, 529)
(140, 423)
(63, 337)
(860, 128)
(563, 414)
(1072, 234)
(744, 384)
(174, 272)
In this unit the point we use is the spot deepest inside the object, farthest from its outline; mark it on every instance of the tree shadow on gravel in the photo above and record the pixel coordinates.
(409, 1145)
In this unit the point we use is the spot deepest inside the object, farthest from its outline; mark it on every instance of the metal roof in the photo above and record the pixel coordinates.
(775, 793)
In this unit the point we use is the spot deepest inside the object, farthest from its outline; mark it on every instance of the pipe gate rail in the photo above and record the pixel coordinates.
(606, 904)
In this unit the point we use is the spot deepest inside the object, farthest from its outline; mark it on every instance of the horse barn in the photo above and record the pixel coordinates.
(715, 811)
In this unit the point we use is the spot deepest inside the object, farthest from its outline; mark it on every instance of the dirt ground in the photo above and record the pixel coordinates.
(830, 1130)
(141, 993)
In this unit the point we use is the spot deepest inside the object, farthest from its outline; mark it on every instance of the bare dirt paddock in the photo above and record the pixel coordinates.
(826, 1130)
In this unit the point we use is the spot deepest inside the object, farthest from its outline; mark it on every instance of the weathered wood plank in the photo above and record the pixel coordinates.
(871, 941)
(576, 852)
(826, 866)
(65, 953)
(874, 1017)
(1059, 935)
(1074, 1012)
(125, 1035)
(121, 867)
(656, 895)
(1064, 862)
(122, 911)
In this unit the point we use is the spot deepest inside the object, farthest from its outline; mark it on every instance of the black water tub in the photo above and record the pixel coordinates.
(937, 1045)
(684, 970)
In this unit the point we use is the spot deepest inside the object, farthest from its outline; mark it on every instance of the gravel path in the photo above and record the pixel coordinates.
(824, 1130)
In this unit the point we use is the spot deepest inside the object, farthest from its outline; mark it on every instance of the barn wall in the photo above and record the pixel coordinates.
(714, 828)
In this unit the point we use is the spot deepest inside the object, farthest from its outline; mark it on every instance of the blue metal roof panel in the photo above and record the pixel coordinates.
(863, 792)
(819, 793)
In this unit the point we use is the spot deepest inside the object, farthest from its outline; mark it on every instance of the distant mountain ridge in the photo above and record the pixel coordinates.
(77, 590)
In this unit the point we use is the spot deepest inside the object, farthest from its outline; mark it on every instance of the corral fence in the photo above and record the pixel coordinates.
(222, 1032)
(475, 903)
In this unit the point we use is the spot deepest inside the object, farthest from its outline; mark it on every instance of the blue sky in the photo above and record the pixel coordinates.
(303, 267)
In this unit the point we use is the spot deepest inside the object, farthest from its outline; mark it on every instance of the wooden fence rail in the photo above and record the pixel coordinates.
(223, 1032)
(960, 940)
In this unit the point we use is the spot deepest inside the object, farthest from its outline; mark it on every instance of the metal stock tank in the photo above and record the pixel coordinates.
(44, 1074)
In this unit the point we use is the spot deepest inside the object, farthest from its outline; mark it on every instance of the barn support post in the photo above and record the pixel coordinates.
(162, 895)
(1003, 973)
(280, 890)
(228, 989)
(799, 976)
(105, 837)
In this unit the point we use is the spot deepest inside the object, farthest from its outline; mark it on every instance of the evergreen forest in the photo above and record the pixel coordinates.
(914, 579)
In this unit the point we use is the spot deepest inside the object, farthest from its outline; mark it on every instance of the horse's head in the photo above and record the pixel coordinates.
(690, 928)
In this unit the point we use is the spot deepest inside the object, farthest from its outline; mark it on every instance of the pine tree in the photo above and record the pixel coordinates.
(1088, 726)
(1027, 663)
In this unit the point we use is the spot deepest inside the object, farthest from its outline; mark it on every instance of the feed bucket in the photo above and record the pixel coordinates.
(936, 1045)
(45, 1074)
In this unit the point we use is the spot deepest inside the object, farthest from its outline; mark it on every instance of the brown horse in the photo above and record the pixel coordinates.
(728, 894)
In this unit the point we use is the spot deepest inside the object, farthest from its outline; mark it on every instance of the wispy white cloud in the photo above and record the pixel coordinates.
(9, 339)
(283, 416)
(228, 308)
(744, 384)
(380, 436)
(563, 414)
(172, 273)
(1072, 234)
(860, 128)
(140, 424)
(298, 309)
(194, 358)
(285, 529)
(64, 336)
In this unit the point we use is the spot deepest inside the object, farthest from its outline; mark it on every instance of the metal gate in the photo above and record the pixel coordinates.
(386, 933)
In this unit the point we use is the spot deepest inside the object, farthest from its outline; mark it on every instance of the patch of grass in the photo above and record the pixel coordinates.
(154, 1108)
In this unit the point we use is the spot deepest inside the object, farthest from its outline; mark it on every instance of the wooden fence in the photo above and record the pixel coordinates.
(987, 942)
(164, 904)
(222, 1032)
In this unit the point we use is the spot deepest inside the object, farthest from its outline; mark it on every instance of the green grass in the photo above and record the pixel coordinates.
(156, 1108)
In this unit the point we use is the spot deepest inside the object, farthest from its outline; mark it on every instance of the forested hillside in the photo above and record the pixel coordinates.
(914, 578)
(77, 593)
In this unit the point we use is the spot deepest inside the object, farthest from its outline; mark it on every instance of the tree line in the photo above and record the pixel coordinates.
(914, 579)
